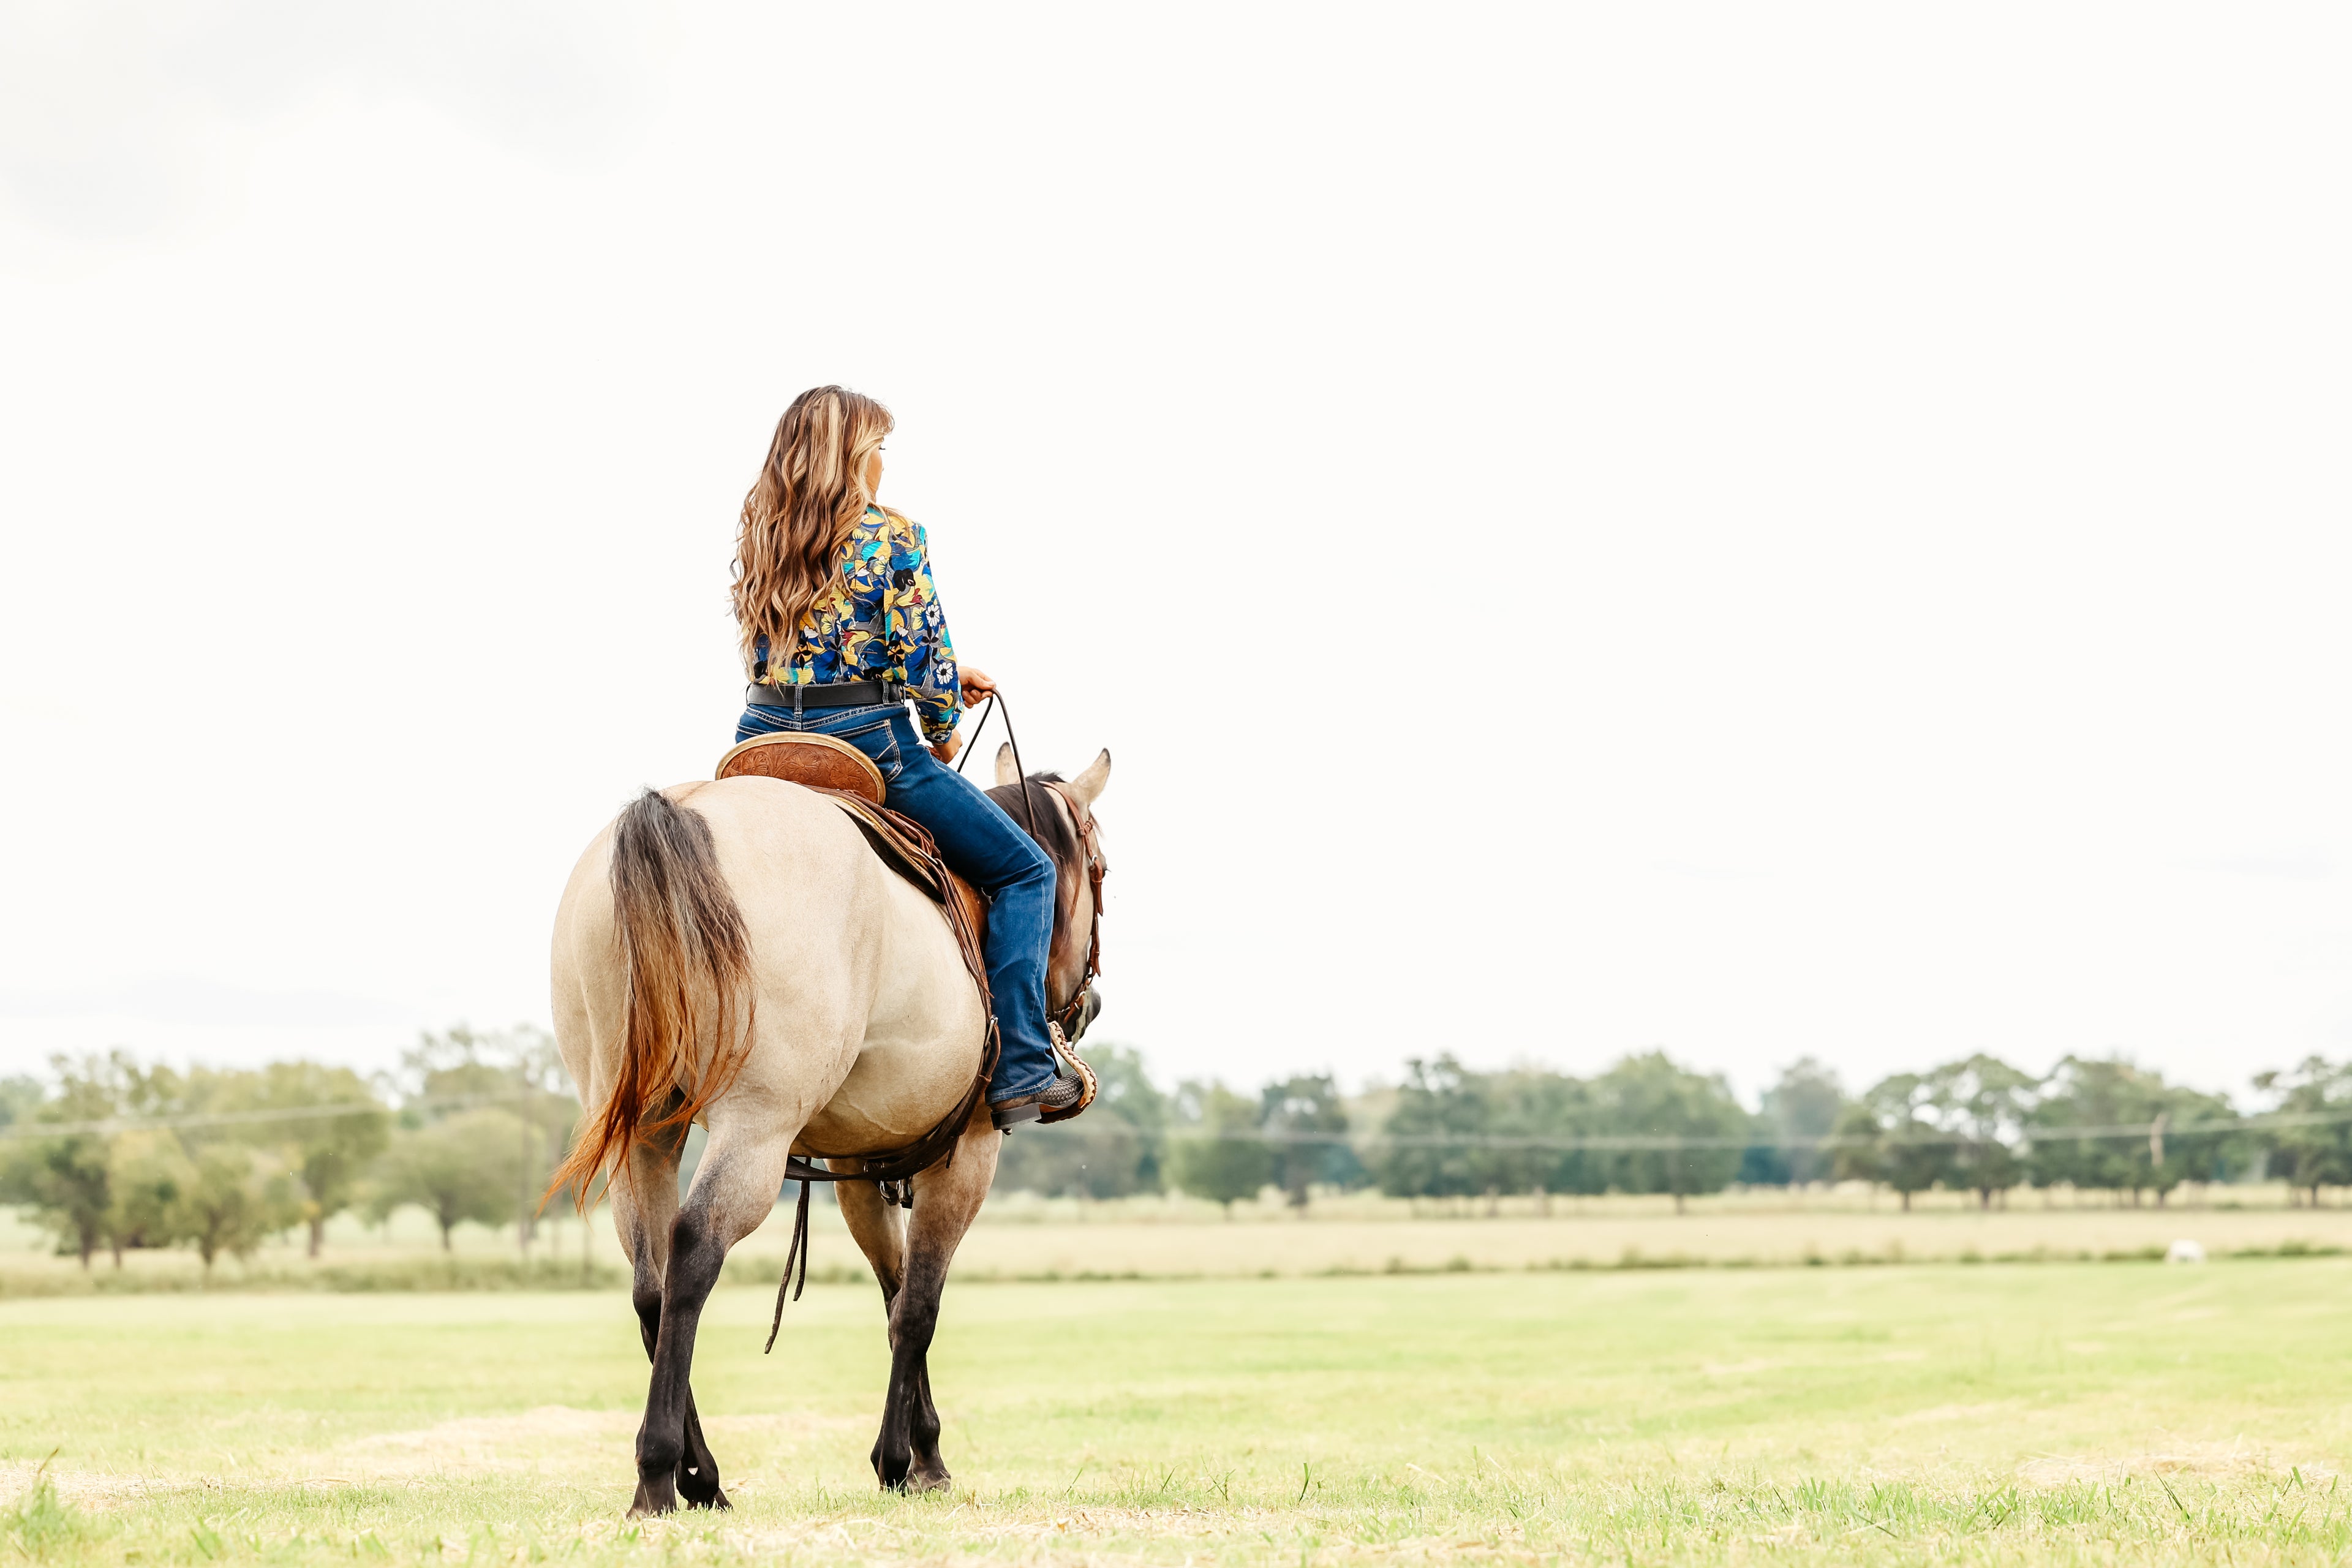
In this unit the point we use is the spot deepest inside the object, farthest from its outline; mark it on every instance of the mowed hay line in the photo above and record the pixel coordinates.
(1021, 1237)
(2058, 1412)
(1612, 1237)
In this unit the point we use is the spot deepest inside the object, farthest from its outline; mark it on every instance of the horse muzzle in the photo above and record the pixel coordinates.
(1088, 1005)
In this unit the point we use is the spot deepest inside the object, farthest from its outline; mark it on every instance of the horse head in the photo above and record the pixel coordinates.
(1060, 813)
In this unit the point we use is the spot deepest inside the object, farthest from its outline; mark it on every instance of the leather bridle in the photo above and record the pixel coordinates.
(1082, 817)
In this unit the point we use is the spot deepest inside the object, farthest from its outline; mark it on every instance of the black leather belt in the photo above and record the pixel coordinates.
(831, 694)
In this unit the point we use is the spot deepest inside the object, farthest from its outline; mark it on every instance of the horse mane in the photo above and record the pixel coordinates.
(1054, 829)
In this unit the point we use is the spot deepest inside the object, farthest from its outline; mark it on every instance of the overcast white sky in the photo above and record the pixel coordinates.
(1752, 530)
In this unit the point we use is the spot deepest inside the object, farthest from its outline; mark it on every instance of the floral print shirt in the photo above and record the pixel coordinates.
(880, 620)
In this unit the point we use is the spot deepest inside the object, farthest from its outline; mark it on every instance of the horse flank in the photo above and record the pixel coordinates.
(688, 965)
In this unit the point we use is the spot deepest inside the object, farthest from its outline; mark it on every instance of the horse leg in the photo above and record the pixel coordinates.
(734, 1189)
(879, 1228)
(907, 1454)
(645, 1229)
(930, 1472)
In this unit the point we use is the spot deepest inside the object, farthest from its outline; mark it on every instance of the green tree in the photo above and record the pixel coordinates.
(2316, 1154)
(1907, 1150)
(1858, 1156)
(1647, 1095)
(238, 1197)
(1530, 1111)
(1419, 1156)
(68, 1180)
(1224, 1161)
(2152, 1155)
(1116, 1149)
(330, 1155)
(1793, 1115)
(518, 1068)
(464, 1167)
(150, 1178)
(1305, 1114)
(1984, 1102)
(69, 1183)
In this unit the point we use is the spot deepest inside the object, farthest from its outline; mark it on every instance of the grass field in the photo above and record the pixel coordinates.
(2060, 1413)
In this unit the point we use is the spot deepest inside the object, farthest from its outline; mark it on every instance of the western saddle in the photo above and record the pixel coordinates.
(819, 762)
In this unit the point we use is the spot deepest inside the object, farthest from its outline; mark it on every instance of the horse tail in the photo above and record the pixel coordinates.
(689, 966)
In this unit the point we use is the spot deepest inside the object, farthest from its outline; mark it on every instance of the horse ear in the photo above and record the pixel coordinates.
(1089, 783)
(1008, 772)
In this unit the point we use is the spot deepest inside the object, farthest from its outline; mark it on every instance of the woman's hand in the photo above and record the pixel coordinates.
(977, 685)
(946, 750)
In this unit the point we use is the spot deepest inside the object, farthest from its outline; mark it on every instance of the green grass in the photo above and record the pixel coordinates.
(2055, 1414)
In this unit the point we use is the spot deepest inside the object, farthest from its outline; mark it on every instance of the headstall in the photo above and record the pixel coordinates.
(1083, 820)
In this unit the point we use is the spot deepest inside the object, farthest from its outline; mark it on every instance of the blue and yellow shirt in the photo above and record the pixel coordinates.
(880, 620)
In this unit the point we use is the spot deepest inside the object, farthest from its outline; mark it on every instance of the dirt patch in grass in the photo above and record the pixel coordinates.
(2210, 1461)
(552, 1439)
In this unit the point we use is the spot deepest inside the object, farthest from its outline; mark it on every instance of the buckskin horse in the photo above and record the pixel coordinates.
(738, 952)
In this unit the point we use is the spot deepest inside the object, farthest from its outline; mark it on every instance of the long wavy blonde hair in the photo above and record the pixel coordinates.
(808, 497)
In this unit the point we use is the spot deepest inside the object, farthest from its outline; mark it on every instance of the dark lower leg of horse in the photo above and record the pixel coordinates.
(924, 1470)
(889, 1317)
(697, 1477)
(930, 1472)
(908, 1419)
(923, 1422)
(671, 1456)
(697, 1470)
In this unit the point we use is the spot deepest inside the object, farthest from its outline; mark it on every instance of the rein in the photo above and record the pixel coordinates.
(1083, 819)
(1029, 819)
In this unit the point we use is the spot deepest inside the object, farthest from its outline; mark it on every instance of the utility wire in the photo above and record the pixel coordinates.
(1923, 1137)
(326, 1111)
(1836, 1141)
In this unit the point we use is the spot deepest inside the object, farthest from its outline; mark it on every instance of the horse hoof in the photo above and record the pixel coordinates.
(655, 1495)
(700, 1488)
(930, 1481)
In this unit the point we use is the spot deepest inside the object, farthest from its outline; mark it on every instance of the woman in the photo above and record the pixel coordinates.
(840, 628)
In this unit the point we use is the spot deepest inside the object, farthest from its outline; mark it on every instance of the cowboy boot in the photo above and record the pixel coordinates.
(1073, 1090)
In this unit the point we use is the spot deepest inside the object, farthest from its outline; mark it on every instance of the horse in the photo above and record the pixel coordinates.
(732, 953)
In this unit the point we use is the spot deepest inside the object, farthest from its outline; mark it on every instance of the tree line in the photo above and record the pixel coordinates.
(472, 1122)
(1650, 1125)
(229, 1157)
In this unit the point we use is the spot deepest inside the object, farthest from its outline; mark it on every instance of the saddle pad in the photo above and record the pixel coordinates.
(906, 848)
(820, 761)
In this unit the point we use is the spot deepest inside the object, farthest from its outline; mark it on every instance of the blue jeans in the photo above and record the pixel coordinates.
(980, 844)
